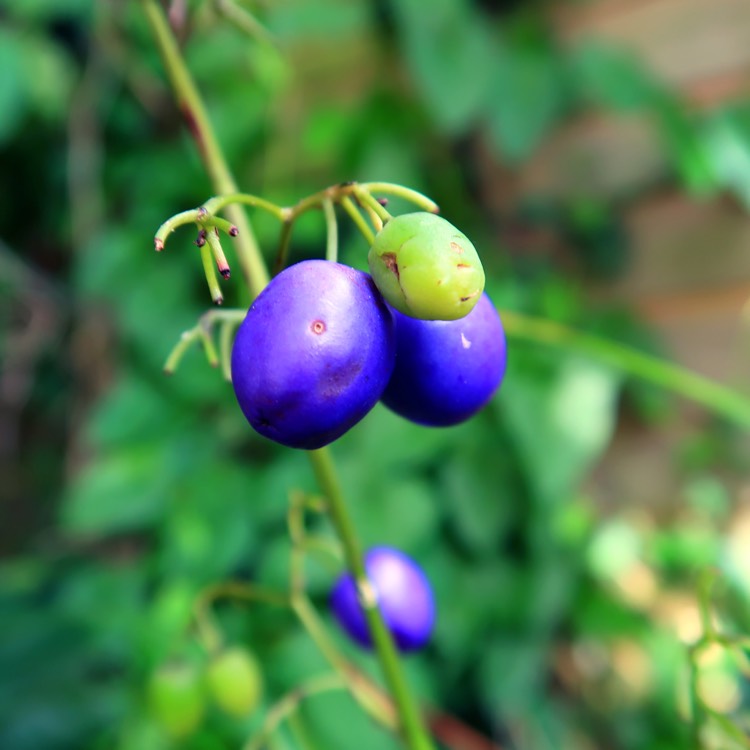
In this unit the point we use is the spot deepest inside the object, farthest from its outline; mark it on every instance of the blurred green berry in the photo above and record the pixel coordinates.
(235, 681)
(175, 698)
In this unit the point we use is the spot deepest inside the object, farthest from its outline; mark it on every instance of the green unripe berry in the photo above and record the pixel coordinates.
(175, 699)
(235, 681)
(426, 268)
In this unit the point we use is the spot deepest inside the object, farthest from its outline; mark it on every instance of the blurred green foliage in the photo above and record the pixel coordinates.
(126, 493)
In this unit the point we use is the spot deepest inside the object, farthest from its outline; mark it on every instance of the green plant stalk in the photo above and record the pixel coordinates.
(193, 110)
(256, 276)
(287, 705)
(332, 231)
(717, 398)
(348, 205)
(412, 725)
(366, 694)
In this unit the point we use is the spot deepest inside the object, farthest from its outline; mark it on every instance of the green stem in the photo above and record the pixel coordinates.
(366, 200)
(256, 276)
(299, 731)
(412, 725)
(208, 268)
(202, 330)
(225, 349)
(368, 697)
(348, 205)
(217, 203)
(202, 612)
(282, 253)
(288, 705)
(715, 397)
(212, 239)
(191, 216)
(421, 201)
(196, 117)
(332, 231)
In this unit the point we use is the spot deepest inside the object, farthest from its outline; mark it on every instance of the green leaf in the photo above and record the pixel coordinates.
(13, 94)
(50, 76)
(512, 674)
(450, 53)
(727, 140)
(612, 78)
(527, 97)
(131, 411)
(397, 511)
(121, 490)
(561, 414)
(682, 138)
(478, 499)
(336, 718)
(45, 10)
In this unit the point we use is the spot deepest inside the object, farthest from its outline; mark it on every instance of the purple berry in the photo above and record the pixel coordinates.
(404, 596)
(313, 354)
(446, 370)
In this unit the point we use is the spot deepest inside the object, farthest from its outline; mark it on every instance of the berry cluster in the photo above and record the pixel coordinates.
(179, 692)
(323, 343)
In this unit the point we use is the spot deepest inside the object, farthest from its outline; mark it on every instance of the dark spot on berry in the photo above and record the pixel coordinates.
(339, 379)
(462, 265)
(391, 263)
(318, 327)
(471, 296)
(457, 248)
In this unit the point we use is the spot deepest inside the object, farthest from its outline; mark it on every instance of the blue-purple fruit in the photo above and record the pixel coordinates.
(446, 371)
(404, 596)
(313, 355)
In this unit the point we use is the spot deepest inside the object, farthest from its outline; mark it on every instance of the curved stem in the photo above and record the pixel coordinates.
(717, 398)
(202, 331)
(365, 693)
(218, 202)
(389, 188)
(366, 200)
(285, 707)
(204, 619)
(348, 205)
(191, 216)
(412, 725)
(225, 349)
(377, 222)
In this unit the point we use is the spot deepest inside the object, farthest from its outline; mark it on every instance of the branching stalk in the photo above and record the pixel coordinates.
(256, 277)
(717, 398)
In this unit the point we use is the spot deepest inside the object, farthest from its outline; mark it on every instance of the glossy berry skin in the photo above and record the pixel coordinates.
(404, 595)
(446, 371)
(313, 354)
(426, 268)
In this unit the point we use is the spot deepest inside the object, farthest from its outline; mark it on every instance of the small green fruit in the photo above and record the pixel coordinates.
(175, 699)
(426, 268)
(235, 681)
